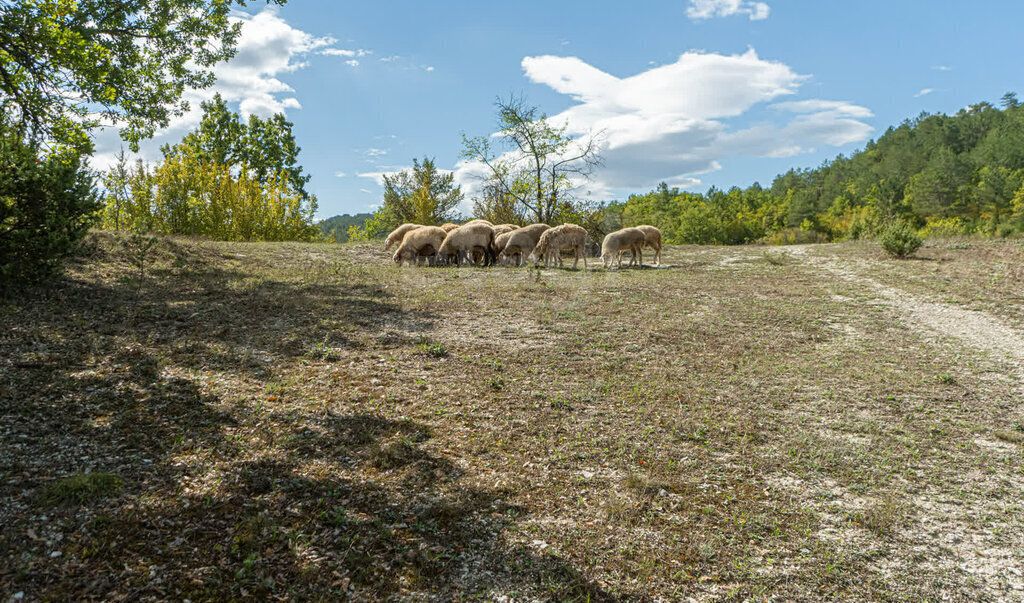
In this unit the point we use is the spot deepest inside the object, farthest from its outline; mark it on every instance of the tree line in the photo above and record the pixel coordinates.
(942, 174)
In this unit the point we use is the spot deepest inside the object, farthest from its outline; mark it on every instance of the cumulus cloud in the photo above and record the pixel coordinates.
(672, 122)
(710, 9)
(268, 49)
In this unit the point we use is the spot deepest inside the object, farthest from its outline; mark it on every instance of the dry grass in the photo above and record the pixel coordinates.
(307, 421)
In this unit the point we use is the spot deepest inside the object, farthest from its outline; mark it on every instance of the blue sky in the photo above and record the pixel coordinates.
(693, 92)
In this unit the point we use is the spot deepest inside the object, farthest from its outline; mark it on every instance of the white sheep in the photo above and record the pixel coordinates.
(449, 226)
(465, 239)
(522, 241)
(554, 240)
(617, 242)
(399, 233)
(423, 241)
(652, 239)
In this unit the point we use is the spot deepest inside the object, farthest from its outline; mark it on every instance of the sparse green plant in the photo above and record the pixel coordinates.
(322, 351)
(435, 349)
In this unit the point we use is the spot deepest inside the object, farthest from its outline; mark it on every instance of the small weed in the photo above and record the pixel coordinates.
(434, 349)
(80, 488)
(946, 379)
(776, 259)
(322, 351)
(882, 517)
(496, 383)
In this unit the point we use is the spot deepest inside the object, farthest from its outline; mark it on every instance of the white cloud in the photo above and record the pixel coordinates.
(942, 68)
(377, 177)
(340, 174)
(709, 9)
(268, 48)
(430, 67)
(375, 152)
(671, 122)
(352, 62)
(342, 52)
(924, 92)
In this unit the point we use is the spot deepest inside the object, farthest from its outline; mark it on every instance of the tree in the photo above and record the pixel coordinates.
(117, 182)
(67, 66)
(497, 206)
(536, 162)
(48, 201)
(265, 148)
(421, 195)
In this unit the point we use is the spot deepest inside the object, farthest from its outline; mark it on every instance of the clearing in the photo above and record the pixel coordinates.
(301, 421)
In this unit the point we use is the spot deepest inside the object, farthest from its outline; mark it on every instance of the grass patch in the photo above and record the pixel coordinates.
(80, 489)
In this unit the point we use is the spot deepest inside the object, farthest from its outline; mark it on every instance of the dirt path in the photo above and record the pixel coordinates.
(976, 328)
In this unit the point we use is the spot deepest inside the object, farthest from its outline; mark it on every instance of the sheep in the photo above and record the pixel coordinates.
(423, 241)
(554, 240)
(465, 239)
(522, 241)
(501, 229)
(619, 241)
(499, 243)
(652, 239)
(398, 234)
(449, 226)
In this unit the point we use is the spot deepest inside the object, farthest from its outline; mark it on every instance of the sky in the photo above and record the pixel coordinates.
(696, 93)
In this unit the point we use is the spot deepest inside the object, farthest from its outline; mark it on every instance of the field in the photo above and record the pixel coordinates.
(214, 421)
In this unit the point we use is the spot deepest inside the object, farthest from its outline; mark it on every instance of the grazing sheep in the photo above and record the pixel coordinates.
(554, 240)
(499, 243)
(617, 242)
(652, 239)
(466, 238)
(522, 241)
(398, 234)
(501, 229)
(449, 226)
(423, 241)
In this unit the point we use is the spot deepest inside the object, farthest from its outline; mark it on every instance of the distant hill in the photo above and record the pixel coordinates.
(337, 226)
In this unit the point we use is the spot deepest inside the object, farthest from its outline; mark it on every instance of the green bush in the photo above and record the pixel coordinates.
(48, 201)
(899, 239)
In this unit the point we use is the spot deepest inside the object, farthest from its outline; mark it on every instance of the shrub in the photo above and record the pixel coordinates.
(899, 239)
(48, 201)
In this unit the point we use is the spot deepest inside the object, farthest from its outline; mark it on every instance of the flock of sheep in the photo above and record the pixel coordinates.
(481, 242)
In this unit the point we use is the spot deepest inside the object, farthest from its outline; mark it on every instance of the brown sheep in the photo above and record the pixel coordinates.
(465, 239)
(522, 241)
(449, 226)
(554, 240)
(398, 234)
(423, 241)
(617, 242)
(652, 239)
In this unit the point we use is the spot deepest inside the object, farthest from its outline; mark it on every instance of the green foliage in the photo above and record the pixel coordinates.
(899, 239)
(205, 185)
(421, 195)
(67, 66)
(266, 147)
(186, 195)
(534, 165)
(47, 204)
(959, 174)
(337, 227)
